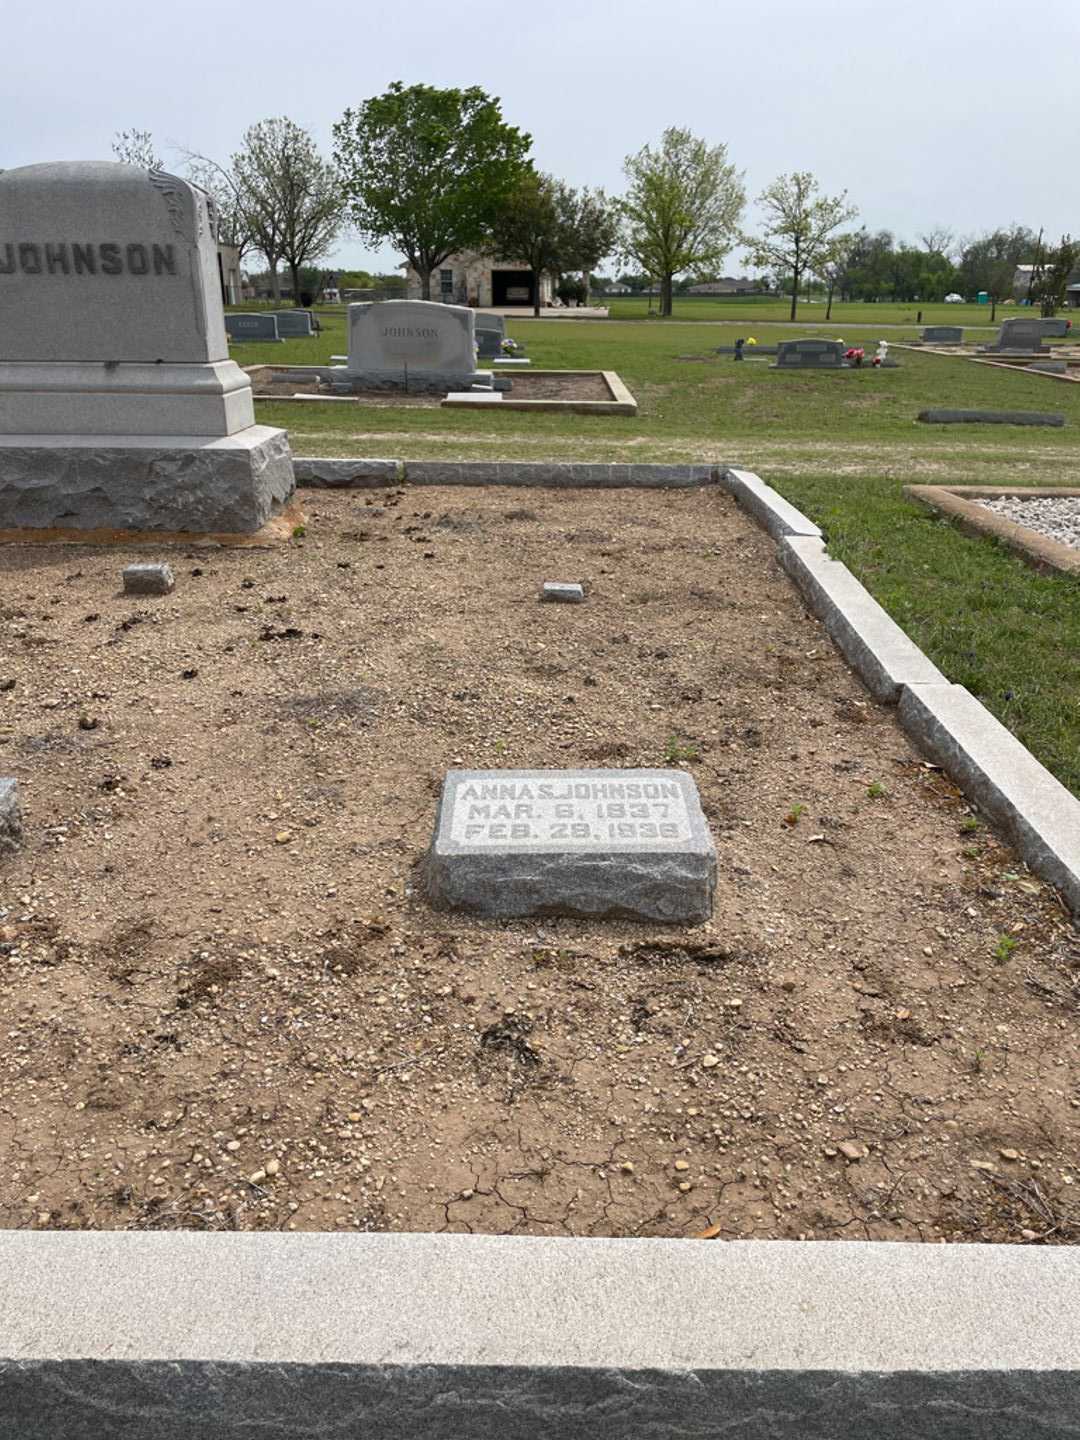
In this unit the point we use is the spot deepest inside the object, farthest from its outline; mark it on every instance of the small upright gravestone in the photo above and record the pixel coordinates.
(943, 335)
(572, 842)
(809, 355)
(253, 325)
(119, 405)
(1020, 335)
(1054, 327)
(295, 324)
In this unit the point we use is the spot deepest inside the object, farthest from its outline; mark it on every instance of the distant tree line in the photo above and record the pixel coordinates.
(438, 172)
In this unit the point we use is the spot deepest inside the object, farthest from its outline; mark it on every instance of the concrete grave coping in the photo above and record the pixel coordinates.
(177, 1334)
(957, 502)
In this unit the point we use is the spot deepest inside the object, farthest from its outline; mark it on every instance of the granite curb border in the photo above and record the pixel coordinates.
(173, 1334)
(361, 474)
(1040, 551)
(1040, 817)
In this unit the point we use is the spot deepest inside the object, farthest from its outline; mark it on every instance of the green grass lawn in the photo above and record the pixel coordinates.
(840, 446)
(742, 308)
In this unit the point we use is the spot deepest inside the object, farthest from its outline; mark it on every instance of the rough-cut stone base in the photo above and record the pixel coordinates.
(11, 833)
(630, 843)
(171, 483)
(343, 381)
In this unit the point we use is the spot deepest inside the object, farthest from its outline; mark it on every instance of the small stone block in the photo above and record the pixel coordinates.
(560, 593)
(10, 817)
(630, 843)
(148, 580)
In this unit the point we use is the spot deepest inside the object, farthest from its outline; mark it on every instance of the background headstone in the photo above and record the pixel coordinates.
(943, 335)
(253, 325)
(1022, 334)
(809, 355)
(573, 842)
(410, 345)
(295, 324)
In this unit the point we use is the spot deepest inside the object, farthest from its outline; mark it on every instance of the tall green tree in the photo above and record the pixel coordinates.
(591, 231)
(549, 226)
(989, 262)
(529, 227)
(289, 195)
(1049, 290)
(800, 223)
(681, 209)
(428, 170)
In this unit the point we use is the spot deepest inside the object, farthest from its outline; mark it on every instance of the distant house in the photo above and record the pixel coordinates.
(478, 280)
(1022, 286)
(727, 286)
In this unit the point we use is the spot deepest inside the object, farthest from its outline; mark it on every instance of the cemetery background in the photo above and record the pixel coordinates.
(299, 1041)
(841, 447)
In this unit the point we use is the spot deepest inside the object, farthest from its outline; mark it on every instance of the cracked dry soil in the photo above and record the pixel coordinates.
(224, 1002)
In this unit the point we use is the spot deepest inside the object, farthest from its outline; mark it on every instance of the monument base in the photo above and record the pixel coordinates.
(228, 484)
(64, 398)
(343, 381)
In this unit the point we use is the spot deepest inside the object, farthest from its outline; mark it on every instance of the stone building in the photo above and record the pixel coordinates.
(471, 279)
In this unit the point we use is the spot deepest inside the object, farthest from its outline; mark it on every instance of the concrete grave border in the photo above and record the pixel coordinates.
(436, 1337)
(1039, 817)
(441, 1337)
(956, 502)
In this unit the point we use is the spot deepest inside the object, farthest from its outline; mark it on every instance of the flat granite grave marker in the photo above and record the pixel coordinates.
(258, 325)
(630, 843)
(119, 406)
(809, 355)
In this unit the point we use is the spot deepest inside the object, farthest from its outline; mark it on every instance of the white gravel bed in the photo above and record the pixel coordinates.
(1056, 516)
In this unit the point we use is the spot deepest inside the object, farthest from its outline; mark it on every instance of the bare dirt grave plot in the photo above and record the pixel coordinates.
(226, 1004)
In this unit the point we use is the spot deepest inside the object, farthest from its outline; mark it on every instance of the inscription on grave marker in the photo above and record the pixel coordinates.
(578, 812)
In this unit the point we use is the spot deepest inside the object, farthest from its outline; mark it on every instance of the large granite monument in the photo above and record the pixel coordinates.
(119, 405)
(572, 842)
(410, 345)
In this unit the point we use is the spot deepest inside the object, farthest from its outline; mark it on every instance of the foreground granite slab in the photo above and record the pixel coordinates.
(172, 1336)
(231, 483)
(628, 843)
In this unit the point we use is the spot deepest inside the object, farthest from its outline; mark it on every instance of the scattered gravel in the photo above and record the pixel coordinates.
(1055, 516)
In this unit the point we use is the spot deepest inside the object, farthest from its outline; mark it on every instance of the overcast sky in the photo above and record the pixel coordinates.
(962, 113)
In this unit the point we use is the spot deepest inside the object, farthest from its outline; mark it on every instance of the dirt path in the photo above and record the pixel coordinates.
(226, 1002)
